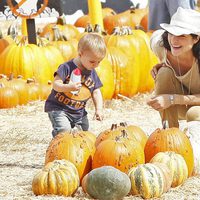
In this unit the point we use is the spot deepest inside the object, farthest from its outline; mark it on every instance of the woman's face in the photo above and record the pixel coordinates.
(181, 44)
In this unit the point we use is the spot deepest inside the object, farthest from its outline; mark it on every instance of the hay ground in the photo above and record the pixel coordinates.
(25, 133)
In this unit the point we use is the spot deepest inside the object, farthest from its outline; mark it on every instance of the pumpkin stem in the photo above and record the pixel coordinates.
(124, 124)
(1, 34)
(12, 31)
(113, 127)
(10, 77)
(2, 85)
(61, 20)
(124, 133)
(116, 31)
(89, 28)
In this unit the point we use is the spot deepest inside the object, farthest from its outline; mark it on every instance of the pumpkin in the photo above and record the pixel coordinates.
(105, 73)
(84, 20)
(106, 183)
(28, 60)
(4, 42)
(133, 133)
(8, 97)
(147, 180)
(59, 177)
(19, 84)
(171, 139)
(68, 30)
(119, 152)
(176, 164)
(66, 47)
(77, 147)
(125, 63)
(167, 175)
(131, 18)
(144, 22)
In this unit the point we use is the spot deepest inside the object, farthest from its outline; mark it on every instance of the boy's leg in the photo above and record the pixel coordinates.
(59, 122)
(84, 123)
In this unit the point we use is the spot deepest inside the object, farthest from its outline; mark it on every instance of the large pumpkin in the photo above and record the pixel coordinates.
(27, 60)
(76, 147)
(59, 177)
(106, 183)
(106, 76)
(119, 152)
(171, 139)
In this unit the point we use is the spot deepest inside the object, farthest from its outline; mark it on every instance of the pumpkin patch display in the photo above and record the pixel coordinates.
(147, 180)
(175, 163)
(170, 139)
(106, 183)
(59, 177)
(77, 147)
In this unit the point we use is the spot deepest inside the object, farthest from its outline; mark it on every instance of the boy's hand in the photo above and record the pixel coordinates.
(74, 86)
(98, 115)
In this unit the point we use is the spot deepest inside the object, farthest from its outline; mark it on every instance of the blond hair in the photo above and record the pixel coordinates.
(92, 42)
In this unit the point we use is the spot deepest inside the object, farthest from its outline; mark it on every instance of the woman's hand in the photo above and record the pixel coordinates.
(160, 102)
(156, 68)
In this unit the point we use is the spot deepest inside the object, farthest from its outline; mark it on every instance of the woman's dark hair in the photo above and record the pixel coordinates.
(195, 48)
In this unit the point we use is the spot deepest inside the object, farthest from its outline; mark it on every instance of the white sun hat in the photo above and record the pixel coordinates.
(184, 21)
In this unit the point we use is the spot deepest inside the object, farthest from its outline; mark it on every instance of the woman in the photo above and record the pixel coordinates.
(177, 78)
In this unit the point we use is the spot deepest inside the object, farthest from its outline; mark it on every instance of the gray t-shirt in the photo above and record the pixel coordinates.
(161, 11)
(74, 106)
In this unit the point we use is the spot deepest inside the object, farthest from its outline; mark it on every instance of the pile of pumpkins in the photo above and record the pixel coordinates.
(118, 162)
(19, 91)
(124, 71)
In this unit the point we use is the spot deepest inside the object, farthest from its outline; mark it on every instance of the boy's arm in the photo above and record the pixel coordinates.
(59, 86)
(98, 103)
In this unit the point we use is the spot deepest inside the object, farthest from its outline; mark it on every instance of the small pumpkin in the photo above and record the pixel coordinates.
(59, 177)
(147, 180)
(106, 183)
(8, 97)
(175, 163)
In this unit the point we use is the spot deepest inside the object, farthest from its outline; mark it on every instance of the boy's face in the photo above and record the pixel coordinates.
(90, 60)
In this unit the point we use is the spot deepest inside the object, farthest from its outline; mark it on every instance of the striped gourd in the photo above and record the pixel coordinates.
(147, 180)
(59, 177)
(176, 164)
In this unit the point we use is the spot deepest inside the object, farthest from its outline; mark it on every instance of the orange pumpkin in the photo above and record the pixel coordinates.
(76, 147)
(119, 152)
(8, 97)
(133, 133)
(171, 139)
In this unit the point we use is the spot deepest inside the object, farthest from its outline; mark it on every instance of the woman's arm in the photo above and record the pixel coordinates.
(187, 99)
(164, 101)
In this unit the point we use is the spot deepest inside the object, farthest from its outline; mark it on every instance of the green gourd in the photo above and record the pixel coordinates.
(106, 183)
